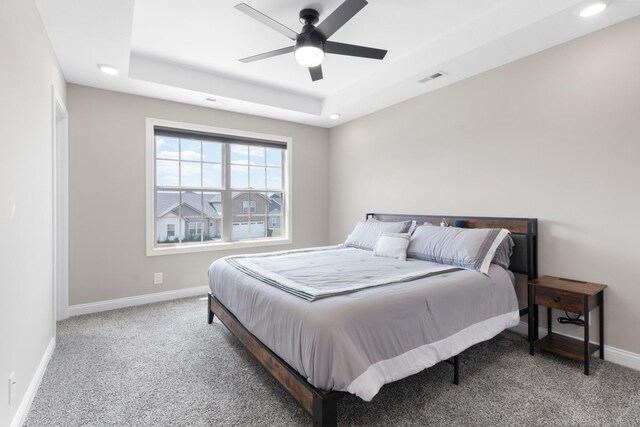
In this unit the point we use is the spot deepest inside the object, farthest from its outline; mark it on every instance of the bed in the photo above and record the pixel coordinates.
(322, 346)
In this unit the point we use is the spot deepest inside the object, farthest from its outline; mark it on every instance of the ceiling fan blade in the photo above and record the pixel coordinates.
(353, 50)
(316, 73)
(269, 22)
(268, 54)
(340, 16)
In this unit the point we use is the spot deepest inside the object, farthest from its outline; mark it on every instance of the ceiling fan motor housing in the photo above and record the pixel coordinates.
(309, 37)
(309, 16)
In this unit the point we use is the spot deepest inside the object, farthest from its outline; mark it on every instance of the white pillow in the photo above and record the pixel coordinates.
(392, 245)
(366, 233)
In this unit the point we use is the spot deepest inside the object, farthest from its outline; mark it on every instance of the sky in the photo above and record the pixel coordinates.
(193, 163)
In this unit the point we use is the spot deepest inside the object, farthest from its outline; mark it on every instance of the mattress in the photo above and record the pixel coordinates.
(359, 341)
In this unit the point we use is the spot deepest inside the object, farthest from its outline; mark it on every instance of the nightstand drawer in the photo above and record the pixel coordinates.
(556, 298)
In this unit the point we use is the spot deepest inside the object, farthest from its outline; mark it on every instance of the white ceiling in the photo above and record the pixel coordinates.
(187, 51)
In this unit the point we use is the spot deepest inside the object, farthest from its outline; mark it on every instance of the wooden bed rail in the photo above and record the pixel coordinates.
(321, 405)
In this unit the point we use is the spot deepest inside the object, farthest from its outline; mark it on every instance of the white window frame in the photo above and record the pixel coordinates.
(154, 250)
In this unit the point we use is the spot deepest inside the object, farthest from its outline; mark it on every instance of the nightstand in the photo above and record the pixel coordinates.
(568, 295)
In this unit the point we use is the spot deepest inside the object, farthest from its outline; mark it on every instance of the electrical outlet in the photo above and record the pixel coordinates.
(157, 278)
(12, 385)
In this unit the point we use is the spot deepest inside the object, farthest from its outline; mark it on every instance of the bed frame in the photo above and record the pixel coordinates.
(321, 404)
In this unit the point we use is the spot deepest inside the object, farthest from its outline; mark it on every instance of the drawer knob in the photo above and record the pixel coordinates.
(556, 299)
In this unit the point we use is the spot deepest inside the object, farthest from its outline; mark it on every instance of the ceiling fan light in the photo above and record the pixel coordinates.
(309, 56)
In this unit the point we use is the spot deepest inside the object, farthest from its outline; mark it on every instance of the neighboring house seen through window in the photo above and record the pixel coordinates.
(217, 188)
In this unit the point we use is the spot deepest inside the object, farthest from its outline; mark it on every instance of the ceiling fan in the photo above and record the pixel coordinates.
(312, 44)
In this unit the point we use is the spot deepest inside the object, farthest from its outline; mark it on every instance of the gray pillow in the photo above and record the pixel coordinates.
(472, 248)
(504, 252)
(366, 233)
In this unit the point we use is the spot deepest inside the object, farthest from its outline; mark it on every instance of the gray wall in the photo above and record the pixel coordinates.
(107, 193)
(555, 136)
(28, 69)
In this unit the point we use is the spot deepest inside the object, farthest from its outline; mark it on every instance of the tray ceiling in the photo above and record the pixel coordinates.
(188, 51)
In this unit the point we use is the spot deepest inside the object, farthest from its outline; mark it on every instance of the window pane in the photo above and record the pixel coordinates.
(190, 149)
(256, 155)
(211, 175)
(275, 223)
(259, 219)
(248, 220)
(167, 217)
(274, 228)
(191, 209)
(261, 202)
(167, 173)
(239, 177)
(212, 226)
(240, 228)
(275, 203)
(274, 157)
(190, 174)
(167, 147)
(274, 178)
(257, 178)
(239, 154)
(212, 152)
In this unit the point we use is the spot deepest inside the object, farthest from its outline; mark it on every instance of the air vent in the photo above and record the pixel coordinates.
(433, 77)
(217, 100)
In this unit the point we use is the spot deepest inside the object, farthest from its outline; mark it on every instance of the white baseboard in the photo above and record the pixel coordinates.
(611, 354)
(113, 304)
(21, 414)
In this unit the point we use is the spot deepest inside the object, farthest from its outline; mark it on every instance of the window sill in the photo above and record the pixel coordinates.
(217, 246)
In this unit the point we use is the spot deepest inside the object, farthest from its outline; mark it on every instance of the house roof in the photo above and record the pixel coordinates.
(169, 201)
(275, 205)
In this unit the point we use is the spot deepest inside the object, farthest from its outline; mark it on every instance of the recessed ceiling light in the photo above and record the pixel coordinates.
(334, 116)
(593, 9)
(108, 69)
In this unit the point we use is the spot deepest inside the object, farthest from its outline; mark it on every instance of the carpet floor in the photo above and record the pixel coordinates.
(163, 365)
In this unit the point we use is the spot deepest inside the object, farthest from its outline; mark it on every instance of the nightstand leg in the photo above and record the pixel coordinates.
(536, 321)
(549, 321)
(530, 319)
(601, 325)
(585, 313)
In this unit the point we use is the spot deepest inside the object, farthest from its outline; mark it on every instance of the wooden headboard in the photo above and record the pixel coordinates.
(524, 232)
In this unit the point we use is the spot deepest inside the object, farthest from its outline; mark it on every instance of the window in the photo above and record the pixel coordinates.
(195, 229)
(249, 206)
(213, 188)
